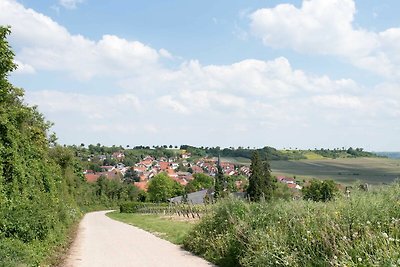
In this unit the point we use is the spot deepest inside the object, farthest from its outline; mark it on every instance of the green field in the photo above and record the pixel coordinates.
(349, 170)
(343, 170)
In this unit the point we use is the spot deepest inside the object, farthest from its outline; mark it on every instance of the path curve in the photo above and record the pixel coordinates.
(102, 241)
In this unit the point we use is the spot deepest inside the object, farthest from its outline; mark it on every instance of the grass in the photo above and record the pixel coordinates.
(312, 155)
(163, 227)
(363, 230)
(236, 160)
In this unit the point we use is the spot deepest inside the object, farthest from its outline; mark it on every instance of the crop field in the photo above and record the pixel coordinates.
(348, 170)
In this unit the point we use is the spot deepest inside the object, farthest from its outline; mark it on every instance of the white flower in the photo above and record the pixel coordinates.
(385, 235)
(359, 259)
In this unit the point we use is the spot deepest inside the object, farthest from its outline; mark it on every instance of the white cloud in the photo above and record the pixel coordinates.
(169, 102)
(338, 101)
(45, 45)
(192, 101)
(248, 78)
(92, 107)
(24, 68)
(326, 27)
(70, 4)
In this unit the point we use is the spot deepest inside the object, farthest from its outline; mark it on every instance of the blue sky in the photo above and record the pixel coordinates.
(306, 74)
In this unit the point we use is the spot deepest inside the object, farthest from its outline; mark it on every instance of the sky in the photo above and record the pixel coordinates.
(299, 74)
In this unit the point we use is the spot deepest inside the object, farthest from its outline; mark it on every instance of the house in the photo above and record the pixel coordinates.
(92, 177)
(180, 180)
(174, 165)
(197, 169)
(108, 168)
(163, 165)
(88, 171)
(147, 162)
(142, 185)
(118, 156)
(291, 182)
(229, 172)
(102, 157)
(186, 155)
(140, 169)
(294, 186)
(171, 173)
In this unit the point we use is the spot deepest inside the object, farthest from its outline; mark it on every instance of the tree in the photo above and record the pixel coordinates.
(219, 183)
(161, 188)
(261, 183)
(320, 190)
(200, 181)
(131, 176)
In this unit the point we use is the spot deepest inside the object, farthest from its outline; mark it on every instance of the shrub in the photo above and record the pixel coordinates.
(361, 231)
(129, 207)
(320, 190)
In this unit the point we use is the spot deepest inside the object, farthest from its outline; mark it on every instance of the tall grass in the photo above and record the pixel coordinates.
(363, 230)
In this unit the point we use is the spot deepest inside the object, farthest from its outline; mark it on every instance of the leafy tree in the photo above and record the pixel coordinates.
(261, 183)
(131, 176)
(320, 190)
(200, 181)
(161, 188)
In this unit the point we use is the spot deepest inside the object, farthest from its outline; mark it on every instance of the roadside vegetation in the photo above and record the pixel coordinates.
(363, 230)
(43, 193)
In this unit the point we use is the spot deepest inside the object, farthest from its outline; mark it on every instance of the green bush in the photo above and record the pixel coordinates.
(361, 231)
(129, 207)
(320, 190)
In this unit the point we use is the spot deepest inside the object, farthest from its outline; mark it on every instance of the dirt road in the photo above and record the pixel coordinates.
(102, 241)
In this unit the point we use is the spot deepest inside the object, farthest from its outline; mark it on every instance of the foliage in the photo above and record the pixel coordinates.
(129, 207)
(219, 184)
(320, 190)
(131, 176)
(161, 188)
(361, 231)
(37, 205)
(42, 188)
(261, 183)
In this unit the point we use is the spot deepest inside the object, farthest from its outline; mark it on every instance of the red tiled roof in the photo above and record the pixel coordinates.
(164, 165)
(197, 169)
(171, 172)
(142, 185)
(91, 177)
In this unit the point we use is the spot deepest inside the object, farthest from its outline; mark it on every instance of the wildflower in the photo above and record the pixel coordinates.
(391, 239)
(359, 259)
(368, 222)
(385, 235)
(344, 237)
(308, 232)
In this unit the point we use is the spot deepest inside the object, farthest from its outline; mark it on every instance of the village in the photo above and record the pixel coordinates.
(180, 168)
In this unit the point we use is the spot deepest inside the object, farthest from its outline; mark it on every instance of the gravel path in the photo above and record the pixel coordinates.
(102, 241)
